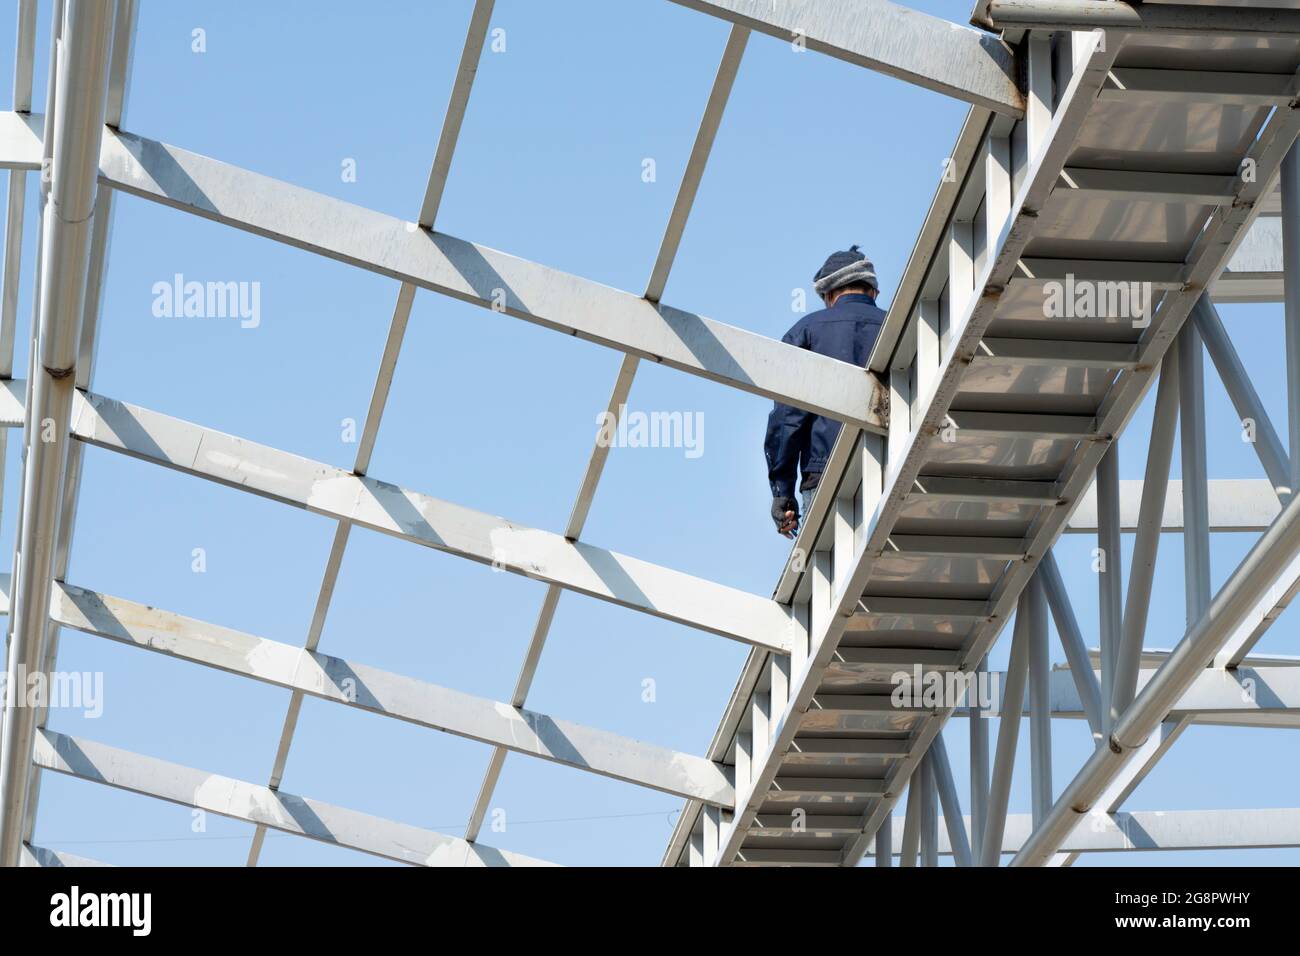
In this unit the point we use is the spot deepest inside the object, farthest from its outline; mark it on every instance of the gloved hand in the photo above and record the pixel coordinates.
(785, 514)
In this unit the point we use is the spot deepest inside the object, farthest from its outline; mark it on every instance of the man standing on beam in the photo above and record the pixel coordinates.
(800, 441)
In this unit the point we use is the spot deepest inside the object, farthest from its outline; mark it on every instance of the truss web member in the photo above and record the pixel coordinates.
(846, 330)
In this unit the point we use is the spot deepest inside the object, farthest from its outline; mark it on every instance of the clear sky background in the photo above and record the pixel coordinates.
(487, 411)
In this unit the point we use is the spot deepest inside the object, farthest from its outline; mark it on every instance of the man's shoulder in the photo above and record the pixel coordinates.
(867, 310)
(811, 318)
(844, 312)
(802, 325)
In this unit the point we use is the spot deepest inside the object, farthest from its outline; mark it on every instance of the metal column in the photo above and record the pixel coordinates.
(1289, 184)
(1040, 703)
(1155, 486)
(78, 121)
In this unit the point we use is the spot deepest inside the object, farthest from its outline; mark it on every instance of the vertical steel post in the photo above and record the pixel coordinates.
(78, 122)
(997, 188)
(929, 813)
(1155, 486)
(1109, 562)
(1038, 97)
(979, 766)
(912, 819)
(1040, 703)
(1196, 509)
(952, 816)
(1076, 650)
(1289, 184)
(1004, 760)
(885, 843)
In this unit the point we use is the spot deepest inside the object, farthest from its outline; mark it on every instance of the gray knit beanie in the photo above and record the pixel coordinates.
(845, 268)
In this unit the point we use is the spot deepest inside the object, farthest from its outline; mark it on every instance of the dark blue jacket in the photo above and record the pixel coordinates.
(803, 440)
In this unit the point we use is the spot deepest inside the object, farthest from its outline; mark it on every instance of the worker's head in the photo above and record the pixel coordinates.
(844, 273)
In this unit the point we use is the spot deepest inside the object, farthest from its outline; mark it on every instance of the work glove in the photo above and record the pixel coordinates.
(784, 524)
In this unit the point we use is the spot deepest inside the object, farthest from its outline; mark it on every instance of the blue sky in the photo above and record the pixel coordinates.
(813, 154)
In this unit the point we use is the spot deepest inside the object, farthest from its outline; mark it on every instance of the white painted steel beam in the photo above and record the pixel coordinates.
(275, 809)
(37, 856)
(1254, 273)
(1234, 504)
(1261, 689)
(473, 273)
(441, 525)
(405, 698)
(20, 140)
(1161, 830)
(888, 38)
(1178, 19)
(491, 279)
(13, 397)
(1153, 657)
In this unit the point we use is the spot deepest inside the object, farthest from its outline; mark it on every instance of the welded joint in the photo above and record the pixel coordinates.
(54, 208)
(880, 401)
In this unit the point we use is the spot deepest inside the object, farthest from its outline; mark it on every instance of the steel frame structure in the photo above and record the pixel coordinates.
(969, 444)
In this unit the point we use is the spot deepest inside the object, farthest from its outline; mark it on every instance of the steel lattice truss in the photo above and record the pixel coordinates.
(1106, 143)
